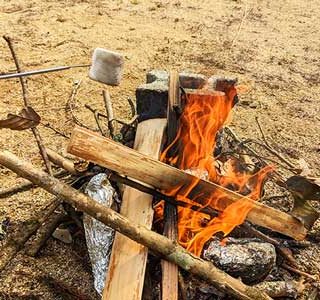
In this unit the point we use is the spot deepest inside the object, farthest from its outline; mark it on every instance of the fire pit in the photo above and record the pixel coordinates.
(190, 192)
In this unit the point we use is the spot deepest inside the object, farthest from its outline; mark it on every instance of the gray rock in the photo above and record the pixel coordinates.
(63, 235)
(187, 80)
(157, 75)
(152, 97)
(220, 83)
(246, 258)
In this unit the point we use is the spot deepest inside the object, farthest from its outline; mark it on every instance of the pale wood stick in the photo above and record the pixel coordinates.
(155, 242)
(62, 162)
(126, 270)
(105, 152)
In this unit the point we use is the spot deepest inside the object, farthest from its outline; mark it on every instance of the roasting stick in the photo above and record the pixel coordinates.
(126, 271)
(169, 289)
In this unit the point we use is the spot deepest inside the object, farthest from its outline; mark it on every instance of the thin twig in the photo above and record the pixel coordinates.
(47, 125)
(109, 110)
(35, 130)
(132, 107)
(272, 151)
(279, 178)
(71, 105)
(96, 117)
(261, 158)
(245, 15)
(15, 59)
(299, 272)
(261, 131)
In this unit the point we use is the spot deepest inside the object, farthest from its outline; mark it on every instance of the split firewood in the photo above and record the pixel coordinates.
(107, 153)
(136, 206)
(155, 242)
(169, 289)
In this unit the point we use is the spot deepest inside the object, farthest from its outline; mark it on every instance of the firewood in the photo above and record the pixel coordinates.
(155, 242)
(169, 289)
(105, 152)
(136, 206)
(60, 161)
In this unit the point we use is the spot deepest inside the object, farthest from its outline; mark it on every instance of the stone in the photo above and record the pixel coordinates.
(157, 75)
(63, 235)
(187, 80)
(152, 97)
(249, 259)
(223, 84)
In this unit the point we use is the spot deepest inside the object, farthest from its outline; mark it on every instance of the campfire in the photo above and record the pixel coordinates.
(204, 115)
(175, 180)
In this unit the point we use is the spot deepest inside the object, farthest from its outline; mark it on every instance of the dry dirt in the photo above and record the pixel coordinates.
(272, 47)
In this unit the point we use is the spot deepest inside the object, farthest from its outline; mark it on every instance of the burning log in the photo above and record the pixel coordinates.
(102, 151)
(157, 243)
(169, 290)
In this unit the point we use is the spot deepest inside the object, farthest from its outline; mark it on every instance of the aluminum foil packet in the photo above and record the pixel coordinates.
(99, 237)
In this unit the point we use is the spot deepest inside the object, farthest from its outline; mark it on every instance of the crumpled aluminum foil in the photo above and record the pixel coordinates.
(99, 237)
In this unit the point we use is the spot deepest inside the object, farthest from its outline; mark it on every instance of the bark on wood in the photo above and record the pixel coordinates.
(126, 271)
(105, 152)
(155, 242)
(169, 289)
(62, 162)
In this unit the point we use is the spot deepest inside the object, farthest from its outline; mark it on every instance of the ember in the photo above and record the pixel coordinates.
(204, 115)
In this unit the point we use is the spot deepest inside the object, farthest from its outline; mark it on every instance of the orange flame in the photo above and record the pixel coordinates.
(204, 115)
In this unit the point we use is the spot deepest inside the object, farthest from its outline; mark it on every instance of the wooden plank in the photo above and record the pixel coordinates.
(169, 288)
(105, 152)
(125, 277)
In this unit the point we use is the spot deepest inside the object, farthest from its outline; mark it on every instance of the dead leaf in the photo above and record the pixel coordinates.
(26, 119)
(303, 189)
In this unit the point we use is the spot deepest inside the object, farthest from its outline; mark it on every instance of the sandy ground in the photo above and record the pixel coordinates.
(271, 46)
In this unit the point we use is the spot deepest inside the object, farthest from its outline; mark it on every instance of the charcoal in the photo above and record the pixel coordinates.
(248, 259)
